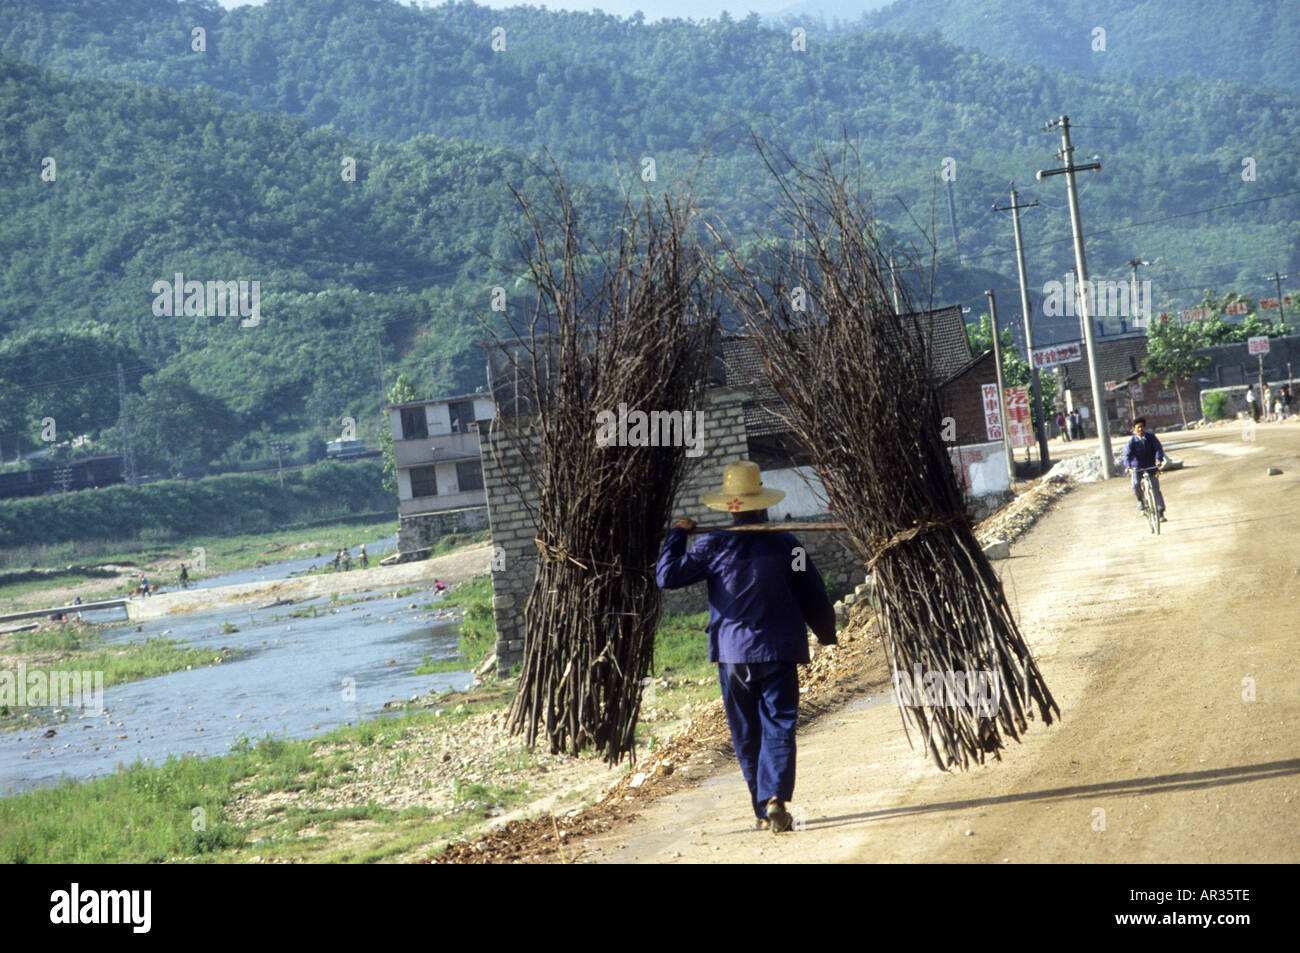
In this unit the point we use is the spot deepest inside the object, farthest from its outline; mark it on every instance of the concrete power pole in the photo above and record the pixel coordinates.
(1035, 387)
(893, 280)
(1081, 264)
(1002, 400)
(1281, 310)
(1133, 298)
(128, 454)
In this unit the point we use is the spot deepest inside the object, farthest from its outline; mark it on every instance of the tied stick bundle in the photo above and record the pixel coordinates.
(854, 384)
(619, 321)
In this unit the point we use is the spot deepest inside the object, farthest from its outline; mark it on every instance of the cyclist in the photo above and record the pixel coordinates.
(1143, 452)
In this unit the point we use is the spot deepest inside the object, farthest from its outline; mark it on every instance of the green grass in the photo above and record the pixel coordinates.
(478, 629)
(682, 645)
(146, 813)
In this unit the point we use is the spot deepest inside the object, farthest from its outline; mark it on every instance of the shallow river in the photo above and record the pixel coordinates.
(300, 676)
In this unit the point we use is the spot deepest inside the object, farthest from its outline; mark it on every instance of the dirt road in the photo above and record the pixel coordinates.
(1173, 660)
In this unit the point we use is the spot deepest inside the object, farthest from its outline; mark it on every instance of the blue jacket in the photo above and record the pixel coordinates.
(1144, 451)
(758, 601)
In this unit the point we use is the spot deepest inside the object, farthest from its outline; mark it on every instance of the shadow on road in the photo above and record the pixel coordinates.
(1159, 784)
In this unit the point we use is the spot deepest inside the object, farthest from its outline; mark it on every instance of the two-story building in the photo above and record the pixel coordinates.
(439, 473)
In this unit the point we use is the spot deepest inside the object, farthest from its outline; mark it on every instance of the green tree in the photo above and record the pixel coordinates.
(401, 392)
(177, 424)
(1173, 355)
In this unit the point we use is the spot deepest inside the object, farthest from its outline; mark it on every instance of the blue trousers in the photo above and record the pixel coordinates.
(1155, 484)
(762, 704)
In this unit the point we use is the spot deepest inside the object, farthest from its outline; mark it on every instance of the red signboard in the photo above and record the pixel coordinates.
(1018, 426)
(1058, 354)
(992, 412)
(1268, 304)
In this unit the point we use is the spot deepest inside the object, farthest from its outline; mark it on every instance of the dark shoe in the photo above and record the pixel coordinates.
(1162, 517)
(762, 824)
(779, 816)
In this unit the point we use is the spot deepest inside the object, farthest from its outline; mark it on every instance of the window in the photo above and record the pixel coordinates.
(462, 416)
(469, 476)
(424, 481)
(414, 424)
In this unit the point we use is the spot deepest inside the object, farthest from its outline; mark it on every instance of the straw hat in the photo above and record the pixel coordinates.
(742, 490)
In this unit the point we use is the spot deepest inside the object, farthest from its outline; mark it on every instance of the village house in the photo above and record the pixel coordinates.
(439, 472)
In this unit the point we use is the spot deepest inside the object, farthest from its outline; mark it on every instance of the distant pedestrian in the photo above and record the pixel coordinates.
(1060, 425)
(1252, 402)
(185, 577)
(144, 585)
(1267, 406)
(1286, 399)
(365, 560)
(347, 561)
(438, 587)
(337, 556)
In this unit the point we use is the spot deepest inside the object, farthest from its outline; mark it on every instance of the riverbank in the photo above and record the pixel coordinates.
(37, 576)
(390, 789)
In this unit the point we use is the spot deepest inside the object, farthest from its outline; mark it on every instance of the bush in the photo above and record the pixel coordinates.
(1214, 404)
(217, 505)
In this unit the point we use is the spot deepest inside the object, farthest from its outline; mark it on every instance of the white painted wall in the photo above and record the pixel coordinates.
(985, 465)
(804, 496)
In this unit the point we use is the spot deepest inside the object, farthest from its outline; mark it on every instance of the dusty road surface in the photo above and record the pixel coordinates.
(1174, 662)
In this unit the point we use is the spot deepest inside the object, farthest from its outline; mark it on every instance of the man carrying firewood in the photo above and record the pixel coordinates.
(763, 589)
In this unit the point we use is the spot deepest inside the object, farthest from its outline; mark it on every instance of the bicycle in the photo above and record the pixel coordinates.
(1149, 499)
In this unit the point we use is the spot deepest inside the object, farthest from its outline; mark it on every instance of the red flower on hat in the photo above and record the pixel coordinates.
(735, 504)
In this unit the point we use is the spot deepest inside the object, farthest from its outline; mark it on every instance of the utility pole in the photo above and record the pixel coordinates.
(279, 459)
(1081, 264)
(893, 281)
(383, 387)
(1281, 310)
(128, 454)
(952, 221)
(1002, 401)
(1133, 291)
(1035, 388)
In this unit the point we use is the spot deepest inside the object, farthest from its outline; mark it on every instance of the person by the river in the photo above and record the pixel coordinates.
(185, 577)
(347, 561)
(365, 560)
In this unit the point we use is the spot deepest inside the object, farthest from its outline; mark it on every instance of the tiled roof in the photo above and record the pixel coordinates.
(946, 338)
(1116, 360)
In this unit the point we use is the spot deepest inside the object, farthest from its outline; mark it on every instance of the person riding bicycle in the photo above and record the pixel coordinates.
(1143, 452)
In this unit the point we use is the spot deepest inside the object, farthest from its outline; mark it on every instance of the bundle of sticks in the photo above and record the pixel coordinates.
(617, 320)
(851, 375)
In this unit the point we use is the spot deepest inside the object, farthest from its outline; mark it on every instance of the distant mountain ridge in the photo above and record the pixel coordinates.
(1250, 40)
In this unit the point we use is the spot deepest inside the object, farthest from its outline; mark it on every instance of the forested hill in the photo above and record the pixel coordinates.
(148, 182)
(1256, 41)
(594, 88)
